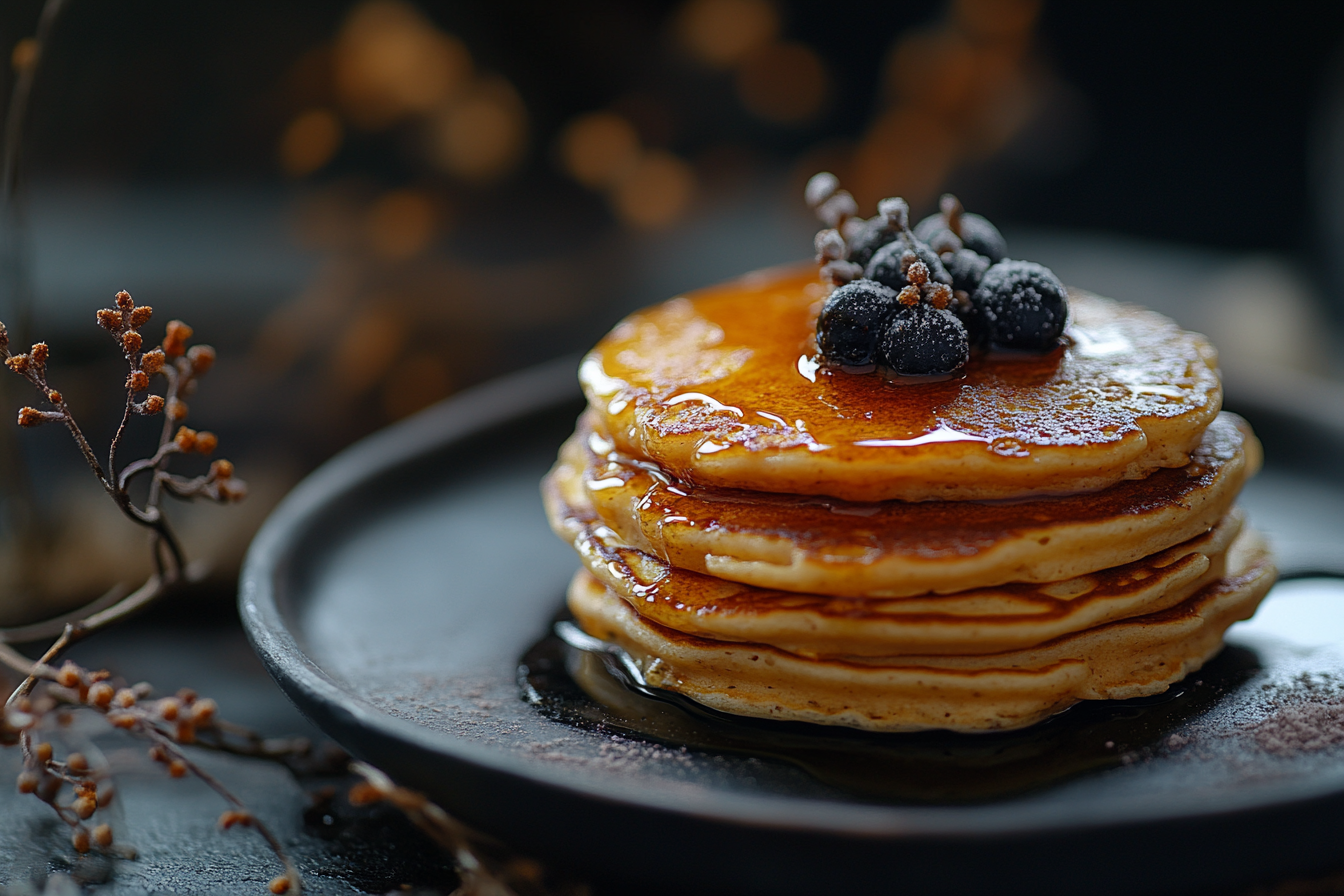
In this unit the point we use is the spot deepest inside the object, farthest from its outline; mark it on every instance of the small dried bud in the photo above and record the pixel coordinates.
(202, 358)
(185, 438)
(186, 731)
(177, 409)
(830, 246)
(43, 752)
(157, 754)
(839, 273)
(102, 835)
(79, 839)
(908, 296)
(124, 301)
(27, 782)
(138, 381)
(231, 490)
(84, 807)
(280, 885)
(896, 211)
(121, 720)
(837, 209)
(917, 273)
(125, 698)
(152, 361)
(101, 694)
(363, 793)
(77, 763)
(141, 315)
(106, 793)
(169, 708)
(820, 187)
(186, 695)
(31, 417)
(939, 295)
(951, 209)
(39, 353)
(206, 442)
(221, 469)
(4, 335)
(175, 339)
(152, 405)
(69, 676)
(177, 769)
(203, 711)
(109, 319)
(19, 363)
(54, 397)
(234, 816)
(131, 342)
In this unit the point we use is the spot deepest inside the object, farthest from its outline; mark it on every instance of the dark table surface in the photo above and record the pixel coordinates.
(172, 824)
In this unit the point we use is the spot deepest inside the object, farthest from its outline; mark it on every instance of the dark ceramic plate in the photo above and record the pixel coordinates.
(395, 594)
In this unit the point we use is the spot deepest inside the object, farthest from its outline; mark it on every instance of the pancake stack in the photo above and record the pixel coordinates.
(775, 538)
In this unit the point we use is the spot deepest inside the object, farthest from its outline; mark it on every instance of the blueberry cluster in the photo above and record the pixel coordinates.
(918, 300)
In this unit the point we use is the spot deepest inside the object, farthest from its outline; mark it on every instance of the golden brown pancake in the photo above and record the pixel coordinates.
(894, 548)
(722, 388)
(1128, 658)
(974, 621)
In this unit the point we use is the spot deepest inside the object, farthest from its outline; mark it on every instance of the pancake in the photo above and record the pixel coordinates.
(722, 388)
(1130, 658)
(894, 548)
(974, 621)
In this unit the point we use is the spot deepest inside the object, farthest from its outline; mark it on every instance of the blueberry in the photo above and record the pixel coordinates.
(966, 268)
(872, 235)
(977, 234)
(885, 265)
(852, 320)
(923, 340)
(1024, 306)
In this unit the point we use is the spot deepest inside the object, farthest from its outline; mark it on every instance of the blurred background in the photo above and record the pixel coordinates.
(367, 206)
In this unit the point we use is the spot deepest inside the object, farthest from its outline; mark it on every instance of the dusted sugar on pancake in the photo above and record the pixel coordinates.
(723, 388)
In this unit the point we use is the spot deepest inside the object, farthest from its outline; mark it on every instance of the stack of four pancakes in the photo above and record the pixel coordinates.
(774, 538)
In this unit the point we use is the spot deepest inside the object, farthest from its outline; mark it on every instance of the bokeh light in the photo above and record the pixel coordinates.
(390, 62)
(656, 192)
(599, 149)
(401, 224)
(484, 135)
(309, 142)
(721, 33)
(784, 83)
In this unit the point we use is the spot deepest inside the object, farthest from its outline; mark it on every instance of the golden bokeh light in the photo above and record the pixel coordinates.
(389, 62)
(400, 224)
(309, 142)
(24, 55)
(414, 384)
(484, 135)
(367, 348)
(656, 192)
(599, 149)
(721, 33)
(783, 83)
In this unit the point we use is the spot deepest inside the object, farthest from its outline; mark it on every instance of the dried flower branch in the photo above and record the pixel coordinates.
(168, 723)
(48, 692)
(481, 872)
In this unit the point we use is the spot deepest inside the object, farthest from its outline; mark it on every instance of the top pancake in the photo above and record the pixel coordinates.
(722, 388)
